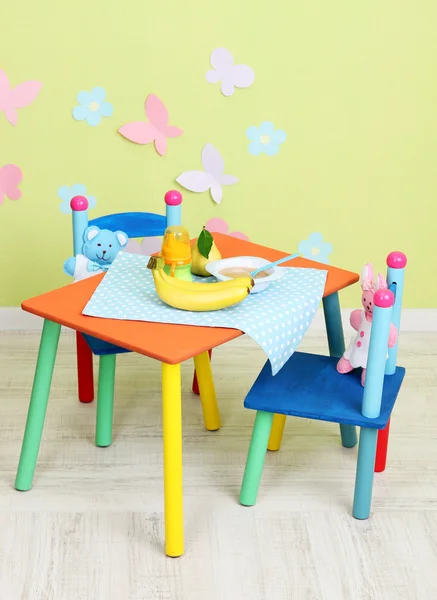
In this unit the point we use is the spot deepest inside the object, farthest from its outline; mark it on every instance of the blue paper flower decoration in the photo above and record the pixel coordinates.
(314, 248)
(66, 194)
(92, 106)
(265, 139)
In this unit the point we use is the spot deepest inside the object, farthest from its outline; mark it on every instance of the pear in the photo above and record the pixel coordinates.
(203, 252)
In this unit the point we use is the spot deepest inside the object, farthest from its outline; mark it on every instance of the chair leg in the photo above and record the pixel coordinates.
(334, 330)
(211, 414)
(105, 400)
(364, 476)
(255, 458)
(381, 449)
(276, 432)
(195, 387)
(38, 405)
(85, 378)
(172, 437)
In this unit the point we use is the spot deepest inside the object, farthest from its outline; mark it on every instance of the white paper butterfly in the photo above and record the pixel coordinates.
(231, 76)
(212, 178)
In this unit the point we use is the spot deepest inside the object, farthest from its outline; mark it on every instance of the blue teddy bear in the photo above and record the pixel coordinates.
(99, 250)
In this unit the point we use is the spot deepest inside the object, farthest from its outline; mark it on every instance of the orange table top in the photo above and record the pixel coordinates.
(172, 344)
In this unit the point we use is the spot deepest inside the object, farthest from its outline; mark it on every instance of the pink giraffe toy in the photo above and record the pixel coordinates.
(361, 320)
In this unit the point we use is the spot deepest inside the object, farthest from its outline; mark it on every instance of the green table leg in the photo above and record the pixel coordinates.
(38, 405)
(334, 330)
(255, 458)
(105, 400)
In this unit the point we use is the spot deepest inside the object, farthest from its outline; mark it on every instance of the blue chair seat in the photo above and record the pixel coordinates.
(309, 386)
(102, 348)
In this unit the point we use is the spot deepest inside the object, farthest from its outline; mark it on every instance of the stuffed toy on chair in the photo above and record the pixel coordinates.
(361, 320)
(99, 250)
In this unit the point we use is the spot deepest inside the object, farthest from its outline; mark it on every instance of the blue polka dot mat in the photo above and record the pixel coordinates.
(276, 318)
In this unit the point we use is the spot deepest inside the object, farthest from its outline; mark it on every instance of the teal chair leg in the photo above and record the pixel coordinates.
(105, 400)
(334, 330)
(364, 476)
(38, 405)
(255, 458)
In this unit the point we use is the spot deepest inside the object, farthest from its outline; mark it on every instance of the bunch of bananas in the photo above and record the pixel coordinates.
(187, 295)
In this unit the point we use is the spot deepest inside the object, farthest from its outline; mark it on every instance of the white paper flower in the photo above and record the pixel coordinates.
(231, 76)
(212, 178)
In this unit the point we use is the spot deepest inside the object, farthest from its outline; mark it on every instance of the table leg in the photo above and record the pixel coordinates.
(172, 435)
(38, 405)
(276, 432)
(334, 330)
(105, 400)
(85, 376)
(205, 380)
(195, 386)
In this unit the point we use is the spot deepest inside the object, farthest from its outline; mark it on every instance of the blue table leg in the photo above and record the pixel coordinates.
(364, 476)
(334, 330)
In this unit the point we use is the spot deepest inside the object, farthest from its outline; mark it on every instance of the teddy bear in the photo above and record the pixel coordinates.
(361, 320)
(100, 247)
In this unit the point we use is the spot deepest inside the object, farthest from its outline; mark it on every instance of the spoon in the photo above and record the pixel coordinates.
(273, 264)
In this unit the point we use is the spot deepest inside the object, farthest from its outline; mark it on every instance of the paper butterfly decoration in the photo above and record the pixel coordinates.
(212, 178)
(148, 246)
(10, 178)
(21, 96)
(157, 130)
(231, 76)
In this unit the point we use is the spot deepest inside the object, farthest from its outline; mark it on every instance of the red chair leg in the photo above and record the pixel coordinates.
(381, 449)
(195, 384)
(85, 377)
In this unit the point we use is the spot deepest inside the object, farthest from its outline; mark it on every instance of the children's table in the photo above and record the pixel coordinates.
(171, 345)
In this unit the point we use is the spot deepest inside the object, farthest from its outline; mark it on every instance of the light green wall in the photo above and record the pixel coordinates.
(353, 84)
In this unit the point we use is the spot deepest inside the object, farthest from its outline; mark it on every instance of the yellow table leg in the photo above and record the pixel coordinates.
(172, 434)
(210, 409)
(275, 438)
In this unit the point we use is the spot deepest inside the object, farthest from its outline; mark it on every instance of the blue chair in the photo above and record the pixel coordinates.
(135, 225)
(309, 386)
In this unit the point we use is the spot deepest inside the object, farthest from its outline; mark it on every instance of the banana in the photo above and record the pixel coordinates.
(199, 296)
(189, 285)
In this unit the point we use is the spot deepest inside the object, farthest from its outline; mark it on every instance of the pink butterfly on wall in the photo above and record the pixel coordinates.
(10, 178)
(19, 97)
(156, 130)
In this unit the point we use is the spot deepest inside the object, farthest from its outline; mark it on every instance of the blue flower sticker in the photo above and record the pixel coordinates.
(92, 106)
(265, 139)
(314, 248)
(66, 194)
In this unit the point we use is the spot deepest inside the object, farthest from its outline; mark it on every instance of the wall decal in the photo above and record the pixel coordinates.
(218, 225)
(230, 75)
(18, 97)
(92, 106)
(156, 130)
(265, 139)
(10, 179)
(66, 193)
(212, 178)
(314, 248)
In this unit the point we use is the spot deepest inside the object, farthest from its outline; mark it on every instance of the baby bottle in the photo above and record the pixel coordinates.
(176, 252)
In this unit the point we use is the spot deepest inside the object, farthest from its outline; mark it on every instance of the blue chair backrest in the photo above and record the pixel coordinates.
(387, 310)
(134, 224)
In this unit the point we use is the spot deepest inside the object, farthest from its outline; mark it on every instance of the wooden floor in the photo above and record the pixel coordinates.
(92, 527)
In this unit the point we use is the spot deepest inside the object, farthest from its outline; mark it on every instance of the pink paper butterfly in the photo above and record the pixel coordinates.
(21, 96)
(10, 178)
(157, 130)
